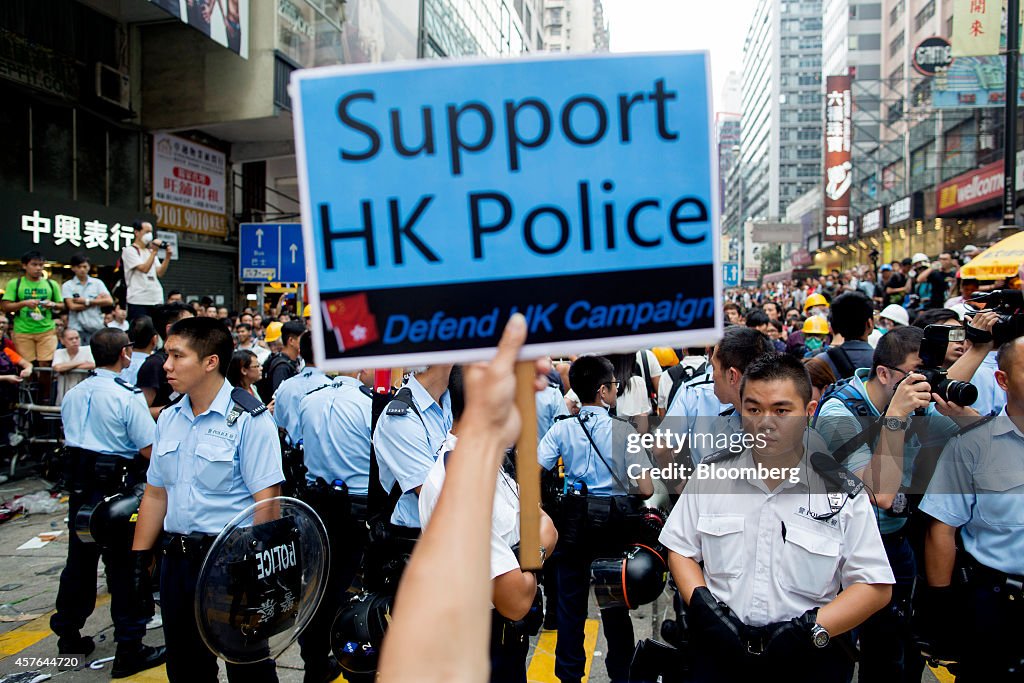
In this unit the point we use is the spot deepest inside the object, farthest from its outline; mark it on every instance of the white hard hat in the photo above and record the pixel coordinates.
(895, 313)
(919, 257)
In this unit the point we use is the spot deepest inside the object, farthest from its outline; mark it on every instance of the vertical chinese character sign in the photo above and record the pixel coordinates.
(838, 157)
(977, 27)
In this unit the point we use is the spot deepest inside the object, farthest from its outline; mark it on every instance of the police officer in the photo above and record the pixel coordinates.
(766, 601)
(593, 449)
(336, 437)
(408, 439)
(215, 452)
(292, 390)
(550, 406)
(106, 425)
(973, 490)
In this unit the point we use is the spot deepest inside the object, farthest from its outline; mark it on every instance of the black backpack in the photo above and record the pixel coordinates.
(265, 387)
(683, 374)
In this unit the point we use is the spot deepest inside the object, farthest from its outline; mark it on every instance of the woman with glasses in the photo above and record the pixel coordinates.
(245, 371)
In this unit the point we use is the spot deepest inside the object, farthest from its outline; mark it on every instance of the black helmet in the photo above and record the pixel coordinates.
(110, 522)
(636, 578)
(358, 631)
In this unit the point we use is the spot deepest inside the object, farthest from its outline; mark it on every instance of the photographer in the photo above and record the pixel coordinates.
(976, 529)
(893, 393)
(143, 270)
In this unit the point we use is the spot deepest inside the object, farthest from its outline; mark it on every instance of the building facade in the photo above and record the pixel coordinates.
(575, 26)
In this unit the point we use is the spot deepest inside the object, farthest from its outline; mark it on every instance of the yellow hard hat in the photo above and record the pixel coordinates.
(815, 300)
(306, 310)
(815, 325)
(273, 332)
(667, 358)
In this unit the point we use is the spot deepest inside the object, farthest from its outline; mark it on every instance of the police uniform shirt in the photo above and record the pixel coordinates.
(763, 554)
(837, 425)
(104, 416)
(504, 515)
(697, 410)
(567, 440)
(550, 404)
(406, 451)
(288, 395)
(336, 434)
(978, 486)
(210, 469)
(991, 397)
(131, 373)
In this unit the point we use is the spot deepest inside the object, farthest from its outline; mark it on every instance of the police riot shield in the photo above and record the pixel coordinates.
(262, 580)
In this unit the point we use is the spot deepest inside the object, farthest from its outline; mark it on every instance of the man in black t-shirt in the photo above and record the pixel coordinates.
(939, 279)
(896, 286)
(151, 378)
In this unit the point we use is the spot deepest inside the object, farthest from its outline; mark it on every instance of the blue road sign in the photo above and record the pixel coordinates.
(271, 252)
(439, 198)
(731, 274)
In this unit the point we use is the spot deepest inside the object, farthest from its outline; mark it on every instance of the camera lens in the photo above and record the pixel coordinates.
(960, 393)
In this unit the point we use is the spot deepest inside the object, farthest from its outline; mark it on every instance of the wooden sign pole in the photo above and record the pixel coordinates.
(527, 468)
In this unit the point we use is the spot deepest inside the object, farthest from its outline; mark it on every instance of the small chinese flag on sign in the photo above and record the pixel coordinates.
(350, 319)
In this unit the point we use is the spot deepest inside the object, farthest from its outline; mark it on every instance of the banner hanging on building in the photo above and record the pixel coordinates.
(224, 22)
(439, 198)
(972, 82)
(838, 157)
(189, 186)
(977, 27)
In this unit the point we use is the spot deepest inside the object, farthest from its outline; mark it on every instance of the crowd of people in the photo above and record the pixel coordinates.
(879, 370)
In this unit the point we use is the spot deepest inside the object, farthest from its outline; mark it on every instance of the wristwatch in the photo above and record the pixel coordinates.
(895, 424)
(543, 555)
(819, 636)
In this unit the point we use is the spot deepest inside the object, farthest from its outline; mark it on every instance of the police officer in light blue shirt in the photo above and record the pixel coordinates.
(336, 440)
(408, 439)
(106, 426)
(598, 464)
(292, 390)
(978, 488)
(550, 405)
(215, 452)
(991, 396)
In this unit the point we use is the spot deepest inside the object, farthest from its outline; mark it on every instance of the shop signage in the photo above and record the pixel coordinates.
(62, 228)
(189, 186)
(838, 157)
(932, 55)
(974, 187)
(37, 67)
(871, 221)
(801, 257)
(906, 208)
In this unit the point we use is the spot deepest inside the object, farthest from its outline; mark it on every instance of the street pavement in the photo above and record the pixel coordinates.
(28, 590)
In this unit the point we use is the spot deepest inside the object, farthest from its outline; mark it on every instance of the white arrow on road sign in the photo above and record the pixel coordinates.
(294, 248)
(259, 238)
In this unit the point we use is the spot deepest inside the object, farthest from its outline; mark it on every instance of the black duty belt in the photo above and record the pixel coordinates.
(194, 545)
(1013, 584)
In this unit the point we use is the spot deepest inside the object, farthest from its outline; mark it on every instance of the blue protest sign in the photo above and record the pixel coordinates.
(269, 252)
(440, 197)
(731, 274)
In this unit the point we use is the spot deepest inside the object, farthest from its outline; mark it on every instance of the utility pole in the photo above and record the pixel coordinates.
(1012, 93)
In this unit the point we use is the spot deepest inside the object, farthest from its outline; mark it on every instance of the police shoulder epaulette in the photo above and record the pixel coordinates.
(622, 419)
(401, 403)
(127, 385)
(244, 402)
(977, 423)
(708, 380)
(170, 403)
(721, 456)
(552, 385)
(366, 390)
(836, 475)
(559, 418)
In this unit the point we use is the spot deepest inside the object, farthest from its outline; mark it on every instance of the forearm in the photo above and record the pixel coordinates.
(687, 574)
(103, 300)
(884, 474)
(939, 554)
(164, 265)
(965, 366)
(267, 512)
(853, 606)
(151, 518)
(454, 545)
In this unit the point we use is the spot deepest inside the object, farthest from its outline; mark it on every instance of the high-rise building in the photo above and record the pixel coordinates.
(575, 26)
(781, 126)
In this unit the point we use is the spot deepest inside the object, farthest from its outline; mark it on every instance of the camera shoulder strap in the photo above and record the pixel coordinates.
(600, 456)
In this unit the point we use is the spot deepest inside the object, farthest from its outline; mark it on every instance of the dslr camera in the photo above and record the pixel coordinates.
(1008, 304)
(933, 352)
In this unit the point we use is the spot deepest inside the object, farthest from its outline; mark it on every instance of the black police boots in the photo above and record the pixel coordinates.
(131, 658)
(75, 645)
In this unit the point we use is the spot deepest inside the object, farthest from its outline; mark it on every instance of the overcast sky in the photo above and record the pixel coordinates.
(653, 25)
